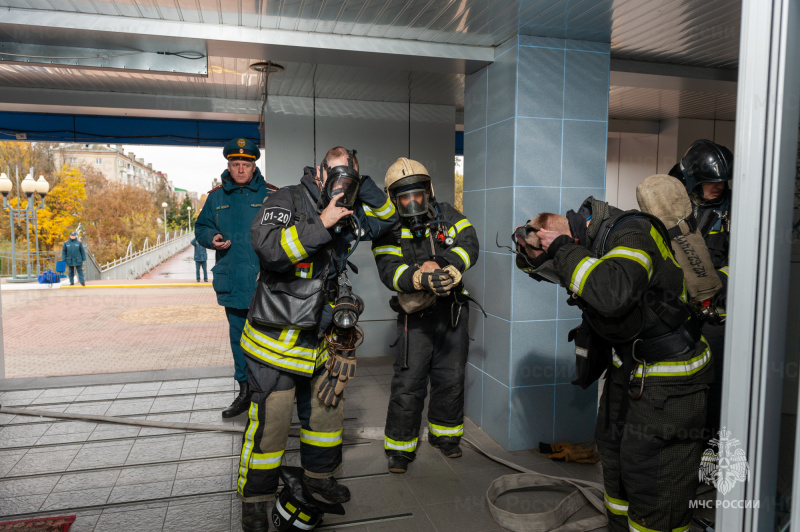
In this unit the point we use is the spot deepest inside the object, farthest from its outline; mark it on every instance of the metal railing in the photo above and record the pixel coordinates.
(47, 261)
(136, 263)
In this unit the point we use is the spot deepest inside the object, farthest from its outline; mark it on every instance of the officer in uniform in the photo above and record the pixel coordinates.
(74, 255)
(706, 170)
(303, 231)
(638, 327)
(224, 225)
(423, 259)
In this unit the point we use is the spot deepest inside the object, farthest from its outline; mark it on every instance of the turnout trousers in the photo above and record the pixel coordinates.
(434, 351)
(651, 459)
(269, 420)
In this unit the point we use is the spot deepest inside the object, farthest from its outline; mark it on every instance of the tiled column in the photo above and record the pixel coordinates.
(535, 133)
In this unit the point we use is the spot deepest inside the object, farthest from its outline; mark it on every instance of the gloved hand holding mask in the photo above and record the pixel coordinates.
(436, 282)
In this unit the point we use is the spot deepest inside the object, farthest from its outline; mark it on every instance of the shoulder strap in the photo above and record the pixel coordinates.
(610, 225)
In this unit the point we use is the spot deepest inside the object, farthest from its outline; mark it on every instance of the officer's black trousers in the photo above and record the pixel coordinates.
(436, 352)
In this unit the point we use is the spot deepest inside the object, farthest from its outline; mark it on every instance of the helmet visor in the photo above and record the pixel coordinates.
(412, 202)
(343, 183)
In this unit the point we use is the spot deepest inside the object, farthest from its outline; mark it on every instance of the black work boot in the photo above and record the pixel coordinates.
(331, 490)
(447, 446)
(241, 403)
(255, 516)
(398, 463)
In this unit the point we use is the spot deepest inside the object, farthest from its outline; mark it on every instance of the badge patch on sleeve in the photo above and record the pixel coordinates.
(276, 216)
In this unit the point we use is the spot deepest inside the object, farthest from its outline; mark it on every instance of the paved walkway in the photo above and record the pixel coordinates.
(181, 266)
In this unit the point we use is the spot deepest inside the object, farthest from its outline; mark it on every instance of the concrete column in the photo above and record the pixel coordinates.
(535, 135)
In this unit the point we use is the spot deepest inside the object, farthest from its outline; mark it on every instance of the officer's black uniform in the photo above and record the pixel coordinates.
(432, 344)
(652, 412)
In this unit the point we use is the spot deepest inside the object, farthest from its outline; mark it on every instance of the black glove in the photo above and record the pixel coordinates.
(437, 282)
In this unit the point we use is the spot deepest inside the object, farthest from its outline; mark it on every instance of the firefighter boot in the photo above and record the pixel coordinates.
(331, 490)
(398, 461)
(255, 516)
(241, 403)
(448, 446)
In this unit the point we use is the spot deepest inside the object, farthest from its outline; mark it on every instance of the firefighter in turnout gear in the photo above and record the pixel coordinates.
(302, 235)
(224, 226)
(423, 259)
(706, 170)
(639, 328)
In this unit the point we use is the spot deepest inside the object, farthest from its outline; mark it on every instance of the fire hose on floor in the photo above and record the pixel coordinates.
(585, 493)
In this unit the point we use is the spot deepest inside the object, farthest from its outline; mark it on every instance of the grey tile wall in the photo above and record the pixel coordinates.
(536, 123)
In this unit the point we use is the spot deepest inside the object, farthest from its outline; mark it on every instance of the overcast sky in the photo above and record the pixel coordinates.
(187, 168)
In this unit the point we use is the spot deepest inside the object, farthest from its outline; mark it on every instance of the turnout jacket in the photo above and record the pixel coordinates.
(617, 292)
(399, 254)
(285, 243)
(229, 210)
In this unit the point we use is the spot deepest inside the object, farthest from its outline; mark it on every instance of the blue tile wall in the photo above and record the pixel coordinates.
(502, 101)
(500, 154)
(495, 414)
(473, 394)
(584, 156)
(576, 413)
(531, 417)
(533, 357)
(497, 284)
(474, 279)
(475, 102)
(538, 158)
(535, 141)
(541, 87)
(497, 346)
(476, 354)
(586, 85)
(475, 159)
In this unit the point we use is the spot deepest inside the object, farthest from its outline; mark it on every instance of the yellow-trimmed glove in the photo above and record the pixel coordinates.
(340, 370)
(454, 274)
(437, 282)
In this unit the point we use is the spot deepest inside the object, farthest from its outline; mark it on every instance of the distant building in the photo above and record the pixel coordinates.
(114, 164)
(181, 193)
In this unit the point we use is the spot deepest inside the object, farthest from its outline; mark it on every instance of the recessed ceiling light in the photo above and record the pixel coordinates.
(267, 66)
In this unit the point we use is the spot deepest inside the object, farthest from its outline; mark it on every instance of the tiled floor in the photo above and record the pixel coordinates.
(119, 477)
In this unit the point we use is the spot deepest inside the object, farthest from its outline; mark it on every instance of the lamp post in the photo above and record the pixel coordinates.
(165, 221)
(189, 210)
(29, 213)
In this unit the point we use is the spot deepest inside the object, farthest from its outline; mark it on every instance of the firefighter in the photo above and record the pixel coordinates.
(306, 232)
(707, 170)
(423, 259)
(639, 328)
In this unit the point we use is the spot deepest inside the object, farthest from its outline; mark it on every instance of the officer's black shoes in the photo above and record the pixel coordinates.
(448, 448)
(331, 490)
(241, 403)
(398, 464)
(255, 516)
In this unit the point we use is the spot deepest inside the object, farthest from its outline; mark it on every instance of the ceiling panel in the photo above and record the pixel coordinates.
(626, 103)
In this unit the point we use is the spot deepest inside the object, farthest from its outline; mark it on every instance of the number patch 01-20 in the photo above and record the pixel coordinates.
(276, 216)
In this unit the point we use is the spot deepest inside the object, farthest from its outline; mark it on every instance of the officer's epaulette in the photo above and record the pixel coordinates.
(271, 186)
(215, 188)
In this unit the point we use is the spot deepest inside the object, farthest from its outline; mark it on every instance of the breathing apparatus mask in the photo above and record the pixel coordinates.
(412, 206)
(343, 180)
(540, 268)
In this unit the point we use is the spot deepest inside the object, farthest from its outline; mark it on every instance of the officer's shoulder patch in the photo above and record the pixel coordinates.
(272, 187)
(214, 189)
(276, 216)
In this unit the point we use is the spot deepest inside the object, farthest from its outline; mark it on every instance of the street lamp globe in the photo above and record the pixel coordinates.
(42, 186)
(164, 205)
(28, 185)
(5, 184)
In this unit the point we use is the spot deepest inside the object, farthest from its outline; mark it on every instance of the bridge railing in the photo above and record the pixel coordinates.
(136, 263)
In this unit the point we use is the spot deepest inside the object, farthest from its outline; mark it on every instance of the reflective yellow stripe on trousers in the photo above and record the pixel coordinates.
(394, 445)
(321, 439)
